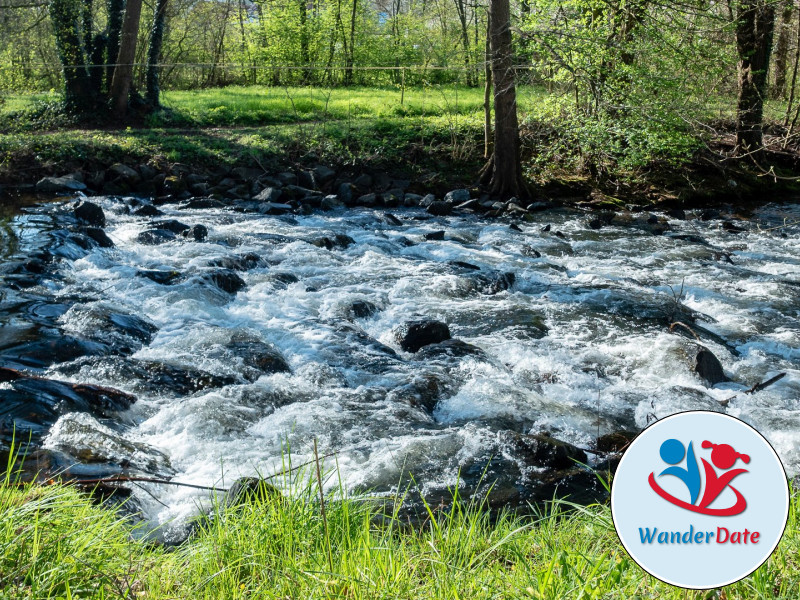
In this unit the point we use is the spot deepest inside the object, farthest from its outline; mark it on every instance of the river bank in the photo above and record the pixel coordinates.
(429, 157)
(55, 543)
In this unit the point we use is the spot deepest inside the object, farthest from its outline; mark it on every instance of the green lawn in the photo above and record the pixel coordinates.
(261, 105)
(55, 544)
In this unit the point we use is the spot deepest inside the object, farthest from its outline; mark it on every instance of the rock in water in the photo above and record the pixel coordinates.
(708, 366)
(153, 237)
(413, 335)
(90, 214)
(227, 280)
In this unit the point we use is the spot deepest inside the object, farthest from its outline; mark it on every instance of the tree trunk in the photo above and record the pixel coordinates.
(504, 169)
(123, 72)
(116, 12)
(461, 8)
(754, 27)
(66, 16)
(487, 95)
(782, 50)
(154, 53)
(350, 58)
(305, 57)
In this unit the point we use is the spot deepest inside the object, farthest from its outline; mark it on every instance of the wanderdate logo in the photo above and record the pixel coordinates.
(700, 499)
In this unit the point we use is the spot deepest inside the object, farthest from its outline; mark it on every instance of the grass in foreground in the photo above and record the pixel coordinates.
(55, 544)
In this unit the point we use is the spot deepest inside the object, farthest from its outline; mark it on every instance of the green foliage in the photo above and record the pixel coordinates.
(54, 543)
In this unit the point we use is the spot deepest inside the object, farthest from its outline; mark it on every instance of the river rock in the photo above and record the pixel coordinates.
(226, 280)
(99, 236)
(119, 171)
(707, 366)
(323, 174)
(269, 194)
(439, 208)
(252, 490)
(29, 405)
(50, 347)
(154, 237)
(148, 210)
(83, 437)
(239, 262)
(90, 213)
(457, 196)
(340, 241)
(413, 335)
(161, 277)
(257, 356)
(435, 236)
(360, 309)
(451, 349)
(198, 232)
(494, 283)
(59, 185)
(172, 225)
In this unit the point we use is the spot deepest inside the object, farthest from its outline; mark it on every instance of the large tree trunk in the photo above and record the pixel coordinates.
(66, 16)
(782, 49)
(504, 169)
(116, 12)
(461, 8)
(754, 27)
(153, 54)
(123, 72)
(305, 57)
(350, 52)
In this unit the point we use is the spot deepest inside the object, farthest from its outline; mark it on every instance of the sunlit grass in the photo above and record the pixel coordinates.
(55, 543)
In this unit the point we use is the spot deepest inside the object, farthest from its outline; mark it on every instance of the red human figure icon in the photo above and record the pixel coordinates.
(724, 457)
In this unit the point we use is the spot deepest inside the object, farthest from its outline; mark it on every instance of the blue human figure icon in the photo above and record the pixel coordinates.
(672, 452)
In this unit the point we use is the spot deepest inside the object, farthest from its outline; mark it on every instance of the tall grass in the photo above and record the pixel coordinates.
(54, 543)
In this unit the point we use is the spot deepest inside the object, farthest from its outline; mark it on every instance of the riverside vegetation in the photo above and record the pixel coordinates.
(55, 543)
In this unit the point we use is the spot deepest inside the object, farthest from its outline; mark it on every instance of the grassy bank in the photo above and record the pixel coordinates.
(631, 159)
(55, 543)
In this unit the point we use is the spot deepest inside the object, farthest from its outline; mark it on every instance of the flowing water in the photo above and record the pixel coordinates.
(579, 346)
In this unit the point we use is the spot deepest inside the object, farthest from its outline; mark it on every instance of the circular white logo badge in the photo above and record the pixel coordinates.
(700, 499)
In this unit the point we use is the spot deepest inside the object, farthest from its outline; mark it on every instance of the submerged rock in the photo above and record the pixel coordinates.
(707, 366)
(154, 237)
(90, 214)
(226, 280)
(413, 335)
(29, 405)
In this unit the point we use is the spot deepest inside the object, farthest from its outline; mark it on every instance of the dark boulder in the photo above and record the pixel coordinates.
(494, 283)
(30, 405)
(89, 213)
(413, 335)
(198, 232)
(241, 262)
(160, 277)
(435, 236)
(361, 309)
(59, 185)
(51, 347)
(439, 208)
(154, 237)
(340, 241)
(99, 236)
(707, 366)
(252, 490)
(226, 280)
(451, 349)
(172, 225)
(148, 210)
(616, 441)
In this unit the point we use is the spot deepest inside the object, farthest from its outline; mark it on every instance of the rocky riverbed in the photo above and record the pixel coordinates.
(204, 338)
